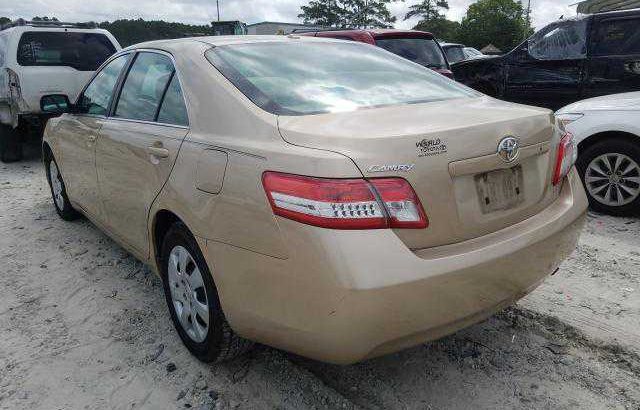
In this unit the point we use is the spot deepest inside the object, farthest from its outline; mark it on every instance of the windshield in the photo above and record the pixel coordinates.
(298, 78)
(454, 54)
(423, 51)
(82, 51)
(472, 51)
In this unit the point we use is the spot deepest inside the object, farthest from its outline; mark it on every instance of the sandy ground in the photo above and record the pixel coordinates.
(83, 325)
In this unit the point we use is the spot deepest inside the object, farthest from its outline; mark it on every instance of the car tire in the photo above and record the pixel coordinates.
(10, 144)
(610, 173)
(189, 288)
(59, 190)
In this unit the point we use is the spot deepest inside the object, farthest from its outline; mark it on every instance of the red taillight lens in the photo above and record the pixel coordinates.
(401, 203)
(566, 157)
(344, 203)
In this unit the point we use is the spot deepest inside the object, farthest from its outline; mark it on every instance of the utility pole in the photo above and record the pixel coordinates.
(527, 20)
(218, 8)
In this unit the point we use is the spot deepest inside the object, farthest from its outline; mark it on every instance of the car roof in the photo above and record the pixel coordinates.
(375, 32)
(216, 41)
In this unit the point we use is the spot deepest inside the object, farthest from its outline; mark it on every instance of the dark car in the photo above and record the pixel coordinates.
(418, 46)
(566, 61)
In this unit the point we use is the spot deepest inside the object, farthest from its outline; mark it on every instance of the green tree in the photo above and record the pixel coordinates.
(348, 13)
(440, 27)
(428, 9)
(498, 22)
(4, 20)
(326, 13)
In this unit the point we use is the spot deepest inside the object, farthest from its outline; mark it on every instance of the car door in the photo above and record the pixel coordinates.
(139, 144)
(78, 133)
(614, 64)
(547, 70)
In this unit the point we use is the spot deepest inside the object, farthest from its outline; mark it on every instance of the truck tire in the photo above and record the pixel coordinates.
(10, 144)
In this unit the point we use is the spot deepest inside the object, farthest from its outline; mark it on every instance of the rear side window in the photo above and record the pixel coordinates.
(173, 110)
(616, 37)
(144, 87)
(564, 40)
(423, 51)
(96, 97)
(82, 51)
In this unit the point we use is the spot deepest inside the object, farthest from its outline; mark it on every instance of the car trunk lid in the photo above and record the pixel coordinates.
(447, 151)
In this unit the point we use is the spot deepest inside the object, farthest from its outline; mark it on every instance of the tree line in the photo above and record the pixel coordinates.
(129, 32)
(503, 23)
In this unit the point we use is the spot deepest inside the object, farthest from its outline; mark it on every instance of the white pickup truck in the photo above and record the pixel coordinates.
(43, 58)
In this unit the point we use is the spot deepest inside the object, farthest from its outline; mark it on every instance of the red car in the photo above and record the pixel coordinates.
(418, 46)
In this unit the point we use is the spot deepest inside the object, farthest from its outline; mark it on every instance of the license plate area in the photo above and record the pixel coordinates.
(500, 189)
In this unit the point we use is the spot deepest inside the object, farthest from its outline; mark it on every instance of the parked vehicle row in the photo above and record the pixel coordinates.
(40, 58)
(311, 209)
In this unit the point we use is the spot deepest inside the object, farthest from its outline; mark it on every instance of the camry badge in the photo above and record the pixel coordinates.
(391, 167)
(509, 148)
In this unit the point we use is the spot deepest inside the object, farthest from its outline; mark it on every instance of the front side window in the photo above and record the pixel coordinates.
(563, 40)
(300, 78)
(173, 111)
(144, 87)
(454, 54)
(82, 51)
(423, 51)
(96, 97)
(616, 37)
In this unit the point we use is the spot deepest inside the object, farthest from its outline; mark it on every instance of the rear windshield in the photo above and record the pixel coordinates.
(454, 54)
(299, 78)
(82, 51)
(423, 51)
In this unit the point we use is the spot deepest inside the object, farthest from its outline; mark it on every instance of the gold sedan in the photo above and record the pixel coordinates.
(321, 196)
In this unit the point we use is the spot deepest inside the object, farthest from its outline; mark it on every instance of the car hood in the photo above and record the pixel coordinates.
(613, 102)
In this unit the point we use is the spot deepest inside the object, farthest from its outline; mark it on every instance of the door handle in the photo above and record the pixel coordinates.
(158, 152)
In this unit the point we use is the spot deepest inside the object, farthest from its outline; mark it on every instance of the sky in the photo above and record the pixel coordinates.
(249, 11)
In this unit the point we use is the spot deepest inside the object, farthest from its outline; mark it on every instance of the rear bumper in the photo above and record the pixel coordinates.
(344, 296)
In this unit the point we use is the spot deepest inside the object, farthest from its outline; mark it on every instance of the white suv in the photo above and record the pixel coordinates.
(40, 58)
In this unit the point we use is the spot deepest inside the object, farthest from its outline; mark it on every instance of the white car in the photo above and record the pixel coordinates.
(607, 130)
(42, 58)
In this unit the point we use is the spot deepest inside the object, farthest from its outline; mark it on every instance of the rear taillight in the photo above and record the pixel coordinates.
(567, 154)
(345, 203)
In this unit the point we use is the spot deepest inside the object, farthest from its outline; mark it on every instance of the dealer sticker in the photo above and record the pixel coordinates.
(430, 147)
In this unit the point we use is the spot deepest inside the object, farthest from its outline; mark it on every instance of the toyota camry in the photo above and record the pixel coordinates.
(325, 197)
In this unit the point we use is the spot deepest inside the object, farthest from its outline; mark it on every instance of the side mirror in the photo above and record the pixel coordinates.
(55, 104)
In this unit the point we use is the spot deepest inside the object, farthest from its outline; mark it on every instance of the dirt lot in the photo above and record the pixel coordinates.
(84, 325)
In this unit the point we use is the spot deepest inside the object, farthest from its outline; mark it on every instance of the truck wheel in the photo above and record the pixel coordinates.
(193, 300)
(59, 190)
(10, 144)
(610, 172)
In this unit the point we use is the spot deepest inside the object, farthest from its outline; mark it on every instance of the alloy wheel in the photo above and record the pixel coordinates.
(613, 179)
